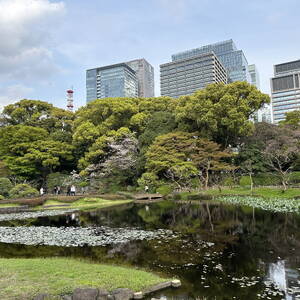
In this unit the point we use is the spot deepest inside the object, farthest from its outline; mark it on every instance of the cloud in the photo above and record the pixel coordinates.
(13, 93)
(25, 38)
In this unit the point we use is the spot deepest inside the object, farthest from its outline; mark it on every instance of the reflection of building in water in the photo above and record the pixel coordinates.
(284, 278)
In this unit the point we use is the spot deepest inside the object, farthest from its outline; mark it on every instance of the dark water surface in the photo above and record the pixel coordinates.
(219, 252)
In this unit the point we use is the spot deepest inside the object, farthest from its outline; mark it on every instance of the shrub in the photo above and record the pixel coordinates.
(23, 191)
(149, 179)
(5, 186)
(228, 181)
(200, 197)
(266, 179)
(164, 190)
(245, 181)
(2, 197)
(177, 197)
(295, 177)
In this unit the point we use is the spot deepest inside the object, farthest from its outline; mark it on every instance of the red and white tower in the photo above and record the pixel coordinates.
(70, 100)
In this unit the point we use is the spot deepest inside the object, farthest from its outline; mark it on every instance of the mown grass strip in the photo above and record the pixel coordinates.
(25, 278)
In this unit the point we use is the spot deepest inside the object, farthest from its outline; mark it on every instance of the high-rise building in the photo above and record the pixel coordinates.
(189, 74)
(285, 88)
(254, 75)
(129, 79)
(117, 80)
(264, 114)
(145, 75)
(231, 58)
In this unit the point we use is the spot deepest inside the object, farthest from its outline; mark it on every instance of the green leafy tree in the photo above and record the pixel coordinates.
(291, 119)
(5, 186)
(180, 156)
(221, 112)
(23, 191)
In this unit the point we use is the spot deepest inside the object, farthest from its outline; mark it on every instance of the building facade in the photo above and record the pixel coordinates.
(285, 88)
(145, 75)
(129, 79)
(264, 114)
(189, 74)
(117, 80)
(231, 58)
(254, 76)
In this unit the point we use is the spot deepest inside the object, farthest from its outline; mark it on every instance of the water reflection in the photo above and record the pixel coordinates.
(220, 252)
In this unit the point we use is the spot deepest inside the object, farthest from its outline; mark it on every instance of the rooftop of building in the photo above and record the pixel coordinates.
(191, 58)
(112, 67)
(287, 67)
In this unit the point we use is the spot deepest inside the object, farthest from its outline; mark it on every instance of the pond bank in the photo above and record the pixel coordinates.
(27, 278)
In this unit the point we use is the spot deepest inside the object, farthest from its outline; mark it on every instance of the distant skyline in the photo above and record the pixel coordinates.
(46, 46)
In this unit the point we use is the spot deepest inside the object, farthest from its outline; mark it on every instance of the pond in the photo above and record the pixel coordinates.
(218, 251)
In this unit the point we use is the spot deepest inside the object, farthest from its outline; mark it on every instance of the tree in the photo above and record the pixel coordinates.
(208, 157)
(56, 121)
(180, 156)
(29, 152)
(281, 153)
(292, 119)
(221, 112)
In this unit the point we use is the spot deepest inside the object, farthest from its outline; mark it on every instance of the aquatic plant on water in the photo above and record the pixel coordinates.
(271, 204)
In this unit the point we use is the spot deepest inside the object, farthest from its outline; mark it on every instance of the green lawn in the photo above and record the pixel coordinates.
(24, 278)
(261, 191)
(9, 205)
(84, 203)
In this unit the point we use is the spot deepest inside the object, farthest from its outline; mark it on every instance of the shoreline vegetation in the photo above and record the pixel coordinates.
(60, 276)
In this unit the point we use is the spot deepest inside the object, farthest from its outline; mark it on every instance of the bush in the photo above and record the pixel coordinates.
(23, 191)
(5, 186)
(245, 181)
(164, 190)
(295, 178)
(200, 197)
(228, 181)
(2, 197)
(266, 179)
(177, 197)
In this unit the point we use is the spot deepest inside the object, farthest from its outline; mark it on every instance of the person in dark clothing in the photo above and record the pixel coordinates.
(68, 191)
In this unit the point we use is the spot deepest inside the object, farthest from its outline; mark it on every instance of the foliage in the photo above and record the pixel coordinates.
(5, 186)
(292, 119)
(149, 179)
(180, 156)
(164, 190)
(56, 179)
(266, 179)
(201, 196)
(23, 191)
(221, 112)
(2, 197)
(245, 181)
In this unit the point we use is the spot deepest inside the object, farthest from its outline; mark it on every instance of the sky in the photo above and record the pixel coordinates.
(46, 46)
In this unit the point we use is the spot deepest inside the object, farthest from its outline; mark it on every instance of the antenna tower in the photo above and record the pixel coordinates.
(70, 100)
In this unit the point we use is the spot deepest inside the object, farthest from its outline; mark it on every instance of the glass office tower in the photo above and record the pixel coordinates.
(254, 75)
(285, 88)
(145, 75)
(111, 81)
(231, 58)
(185, 76)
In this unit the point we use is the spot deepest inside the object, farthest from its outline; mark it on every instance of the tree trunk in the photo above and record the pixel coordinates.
(206, 179)
(251, 183)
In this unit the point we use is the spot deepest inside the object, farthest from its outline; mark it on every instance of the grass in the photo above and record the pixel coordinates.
(84, 203)
(272, 199)
(25, 278)
(9, 205)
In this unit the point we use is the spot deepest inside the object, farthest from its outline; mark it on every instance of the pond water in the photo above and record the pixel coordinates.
(218, 251)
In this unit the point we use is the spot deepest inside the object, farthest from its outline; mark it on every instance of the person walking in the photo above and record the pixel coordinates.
(41, 191)
(73, 190)
(68, 191)
(146, 188)
(58, 190)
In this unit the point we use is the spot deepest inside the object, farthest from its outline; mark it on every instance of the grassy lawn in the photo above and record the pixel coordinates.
(84, 203)
(261, 191)
(24, 278)
(9, 205)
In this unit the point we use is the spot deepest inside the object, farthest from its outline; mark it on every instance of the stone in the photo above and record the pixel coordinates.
(176, 283)
(102, 295)
(85, 294)
(41, 297)
(122, 294)
(138, 295)
(158, 287)
(67, 297)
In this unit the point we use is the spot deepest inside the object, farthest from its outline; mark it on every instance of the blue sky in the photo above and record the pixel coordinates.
(46, 46)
